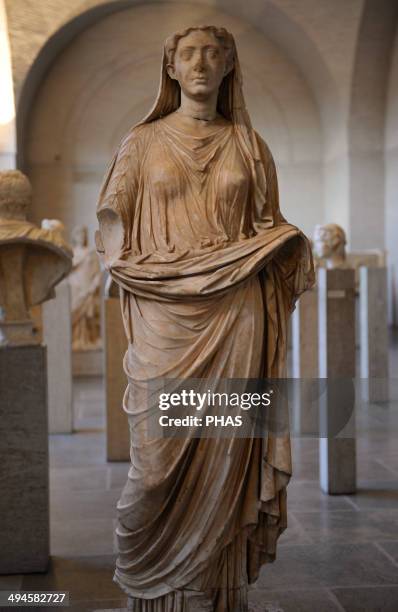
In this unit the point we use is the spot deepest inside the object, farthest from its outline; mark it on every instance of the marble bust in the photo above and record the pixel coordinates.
(329, 242)
(209, 271)
(85, 284)
(32, 261)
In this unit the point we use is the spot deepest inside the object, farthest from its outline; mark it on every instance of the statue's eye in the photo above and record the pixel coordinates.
(186, 54)
(213, 53)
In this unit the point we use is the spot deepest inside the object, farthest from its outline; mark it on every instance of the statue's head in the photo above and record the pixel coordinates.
(199, 58)
(15, 195)
(329, 241)
(80, 236)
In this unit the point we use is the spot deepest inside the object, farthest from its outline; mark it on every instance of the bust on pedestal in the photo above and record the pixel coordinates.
(329, 243)
(32, 262)
(336, 359)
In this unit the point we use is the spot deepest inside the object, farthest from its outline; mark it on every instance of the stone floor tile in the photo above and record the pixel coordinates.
(78, 449)
(376, 494)
(390, 463)
(390, 547)
(294, 534)
(117, 474)
(307, 469)
(377, 446)
(85, 504)
(373, 469)
(328, 565)
(78, 478)
(71, 538)
(341, 526)
(368, 599)
(105, 605)
(307, 496)
(10, 582)
(86, 578)
(287, 600)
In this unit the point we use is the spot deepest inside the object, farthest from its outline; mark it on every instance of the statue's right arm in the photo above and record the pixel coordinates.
(115, 209)
(109, 239)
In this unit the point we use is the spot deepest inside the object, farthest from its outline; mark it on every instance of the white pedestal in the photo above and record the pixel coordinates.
(374, 333)
(337, 447)
(57, 335)
(115, 346)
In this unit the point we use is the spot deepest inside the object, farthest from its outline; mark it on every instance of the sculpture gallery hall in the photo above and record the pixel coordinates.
(199, 305)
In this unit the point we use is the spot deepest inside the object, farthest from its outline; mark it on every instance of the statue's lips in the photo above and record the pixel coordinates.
(199, 80)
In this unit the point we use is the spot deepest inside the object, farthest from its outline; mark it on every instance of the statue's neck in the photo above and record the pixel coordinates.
(201, 110)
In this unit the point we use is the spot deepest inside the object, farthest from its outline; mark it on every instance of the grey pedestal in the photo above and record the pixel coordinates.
(337, 445)
(24, 503)
(305, 362)
(115, 346)
(374, 333)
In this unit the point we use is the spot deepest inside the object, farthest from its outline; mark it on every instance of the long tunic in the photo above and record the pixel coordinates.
(208, 279)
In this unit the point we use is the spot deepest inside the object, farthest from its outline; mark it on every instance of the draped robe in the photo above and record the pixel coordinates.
(208, 280)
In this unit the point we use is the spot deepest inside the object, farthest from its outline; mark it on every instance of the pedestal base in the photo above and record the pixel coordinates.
(24, 504)
(336, 317)
(337, 465)
(87, 363)
(374, 334)
(115, 346)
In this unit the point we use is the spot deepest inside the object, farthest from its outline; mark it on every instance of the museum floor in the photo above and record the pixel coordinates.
(339, 553)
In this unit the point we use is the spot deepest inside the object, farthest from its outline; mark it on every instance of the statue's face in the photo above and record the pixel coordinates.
(200, 64)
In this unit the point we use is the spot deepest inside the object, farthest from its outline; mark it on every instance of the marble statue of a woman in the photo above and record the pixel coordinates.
(209, 271)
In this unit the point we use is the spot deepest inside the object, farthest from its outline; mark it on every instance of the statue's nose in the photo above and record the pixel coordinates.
(199, 63)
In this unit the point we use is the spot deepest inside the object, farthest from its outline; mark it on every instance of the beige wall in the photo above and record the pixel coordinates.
(391, 182)
(7, 105)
